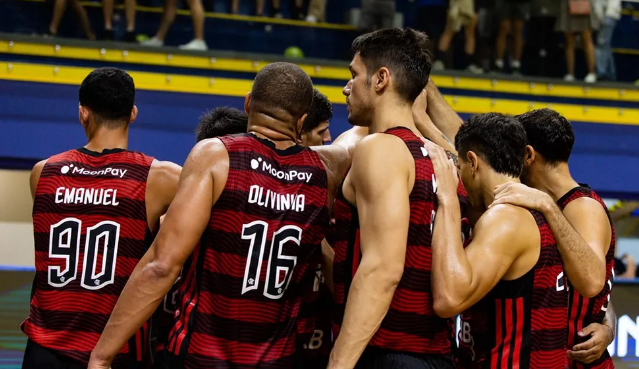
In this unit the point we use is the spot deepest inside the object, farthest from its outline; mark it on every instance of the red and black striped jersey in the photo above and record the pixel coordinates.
(583, 311)
(90, 230)
(314, 326)
(411, 324)
(242, 288)
(520, 323)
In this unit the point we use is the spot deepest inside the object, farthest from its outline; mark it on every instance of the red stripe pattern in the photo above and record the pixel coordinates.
(411, 324)
(90, 231)
(520, 323)
(241, 290)
(584, 311)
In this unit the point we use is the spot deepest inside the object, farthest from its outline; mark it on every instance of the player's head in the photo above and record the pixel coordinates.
(280, 99)
(550, 138)
(107, 97)
(389, 63)
(220, 122)
(315, 130)
(489, 145)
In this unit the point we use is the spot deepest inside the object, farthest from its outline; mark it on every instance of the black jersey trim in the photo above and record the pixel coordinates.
(96, 154)
(295, 149)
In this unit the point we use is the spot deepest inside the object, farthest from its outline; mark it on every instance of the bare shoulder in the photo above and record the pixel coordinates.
(349, 139)
(165, 170)
(36, 171)
(585, 205)
(381, 148)
(509, 221)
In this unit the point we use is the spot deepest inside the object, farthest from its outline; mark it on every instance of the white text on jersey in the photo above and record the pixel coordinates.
(291, 175)
(115, 172)
(274, 200)
(86, 196)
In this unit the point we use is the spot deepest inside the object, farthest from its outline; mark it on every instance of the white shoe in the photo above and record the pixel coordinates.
(591, 78)
(152, 42)
(569, 78)
(311, 19)
(438, 65)
(475, 69)
(198, 45)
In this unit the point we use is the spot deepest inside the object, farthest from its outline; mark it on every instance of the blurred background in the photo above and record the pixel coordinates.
(579, 57)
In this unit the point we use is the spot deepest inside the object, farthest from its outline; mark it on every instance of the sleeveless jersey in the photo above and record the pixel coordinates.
(90, 231)
(242, 287)
(411, 324)
(520, 323)
(583, 311)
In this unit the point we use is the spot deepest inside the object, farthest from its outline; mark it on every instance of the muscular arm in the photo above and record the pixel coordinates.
(441, 113)
(583, 236)
(161, 187)
(382, 199)
(461, 277)
(201, 181)
(427, 128)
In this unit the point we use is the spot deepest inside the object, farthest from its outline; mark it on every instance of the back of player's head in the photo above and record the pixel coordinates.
(220, 122)
(403, 51)
(321, 111)
(498, 139)
(109, 93)
(283, 91)
(549, 133)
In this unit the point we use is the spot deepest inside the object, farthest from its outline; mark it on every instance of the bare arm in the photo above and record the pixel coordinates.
(599, 337)
(35, 176)
(461, 277)
(427, 128)
(161, 187)
(441, 113)
(382, 199)
(201, 181)
(582, 240)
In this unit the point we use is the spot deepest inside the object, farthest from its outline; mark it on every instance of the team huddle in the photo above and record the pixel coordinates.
(270, 249)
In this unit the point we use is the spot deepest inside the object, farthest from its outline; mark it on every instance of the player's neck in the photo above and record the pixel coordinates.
(493, 180)
(107, 139)
(556, 181)
(270, 129)
(389, 114)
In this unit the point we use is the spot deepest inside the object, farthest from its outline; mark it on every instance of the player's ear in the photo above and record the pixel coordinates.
(83, 115)
(381, 79)
(247, 103)
(529, 156)
(473, 160)
(134, 114)
(299, 128)
(301, 138)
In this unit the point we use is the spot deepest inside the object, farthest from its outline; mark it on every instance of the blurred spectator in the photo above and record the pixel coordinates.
(513, 14)
(609, 12)
(576, 16)
(168, 17)
(460, 13)
(377, 14)
(58, 12)
(625, 267)
(129, 10)
(316, 11)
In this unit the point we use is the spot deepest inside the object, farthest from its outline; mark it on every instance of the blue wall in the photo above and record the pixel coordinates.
(38, 120)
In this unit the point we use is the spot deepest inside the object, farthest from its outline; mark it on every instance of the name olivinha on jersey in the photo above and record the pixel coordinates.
(271, 199)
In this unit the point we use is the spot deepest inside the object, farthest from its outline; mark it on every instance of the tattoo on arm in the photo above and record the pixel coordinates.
(452, 156)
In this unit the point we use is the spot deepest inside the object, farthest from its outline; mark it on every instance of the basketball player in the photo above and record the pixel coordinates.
(382, 284)
(507, 283)
(315, 130)
(579, 220)
(314, 339)
(214, 123)
(257, 206)
(93, 214)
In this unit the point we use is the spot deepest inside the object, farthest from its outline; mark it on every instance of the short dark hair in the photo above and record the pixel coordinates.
(549, 133)
(403, 51)
(321, 111)
(110, 94)
(497, 138)
(282, 87)
(220, 122)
